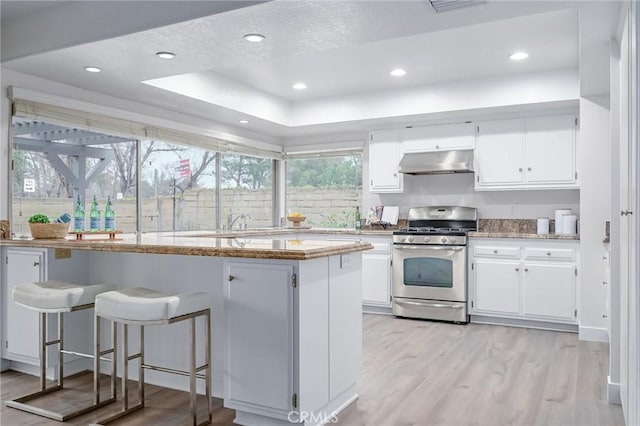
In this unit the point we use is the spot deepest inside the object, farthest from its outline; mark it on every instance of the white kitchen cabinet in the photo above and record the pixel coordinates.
(499, 153)
(531, 153)
(550, 157)
(532, 281)
(376, 274)
(550, 279)
(497, 286)
(21, 342)
(437, 138)
(384, 158)
(259, 319)
(293, 341)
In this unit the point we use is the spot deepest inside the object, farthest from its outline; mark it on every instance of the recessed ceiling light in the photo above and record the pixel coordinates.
(518, 56)
(299, 86)
(92, 69)
(243, 121)
(165, 55)
(398, 72)
(254, 38)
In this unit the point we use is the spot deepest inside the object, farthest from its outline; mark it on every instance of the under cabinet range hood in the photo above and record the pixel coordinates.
(437, 162)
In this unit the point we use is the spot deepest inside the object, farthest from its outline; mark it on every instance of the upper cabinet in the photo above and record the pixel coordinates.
(437, 138)
(531, 153)
(384, 157)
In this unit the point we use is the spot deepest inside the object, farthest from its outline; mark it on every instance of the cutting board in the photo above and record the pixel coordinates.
(390, 214)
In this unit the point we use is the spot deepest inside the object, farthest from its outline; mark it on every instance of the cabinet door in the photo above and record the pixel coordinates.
(435, 138)
(549, 291)
(550, 154)
(384, 157)
(499, 153)
(496, 287)
(259, 336)
(23, 266)
(376, 279)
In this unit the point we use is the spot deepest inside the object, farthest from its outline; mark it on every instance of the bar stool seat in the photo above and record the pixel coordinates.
(145, 307)
(57, 297)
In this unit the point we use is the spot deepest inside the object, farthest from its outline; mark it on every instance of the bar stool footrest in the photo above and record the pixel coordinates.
(20, 404)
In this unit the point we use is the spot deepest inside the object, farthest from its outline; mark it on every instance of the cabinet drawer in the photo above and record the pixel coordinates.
(509, 252)
(381, 248)
(554, 253)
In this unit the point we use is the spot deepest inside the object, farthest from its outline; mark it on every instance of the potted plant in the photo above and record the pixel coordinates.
(42, 228)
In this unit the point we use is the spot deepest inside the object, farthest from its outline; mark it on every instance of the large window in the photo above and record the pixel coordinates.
(54, 164)
(326, 190)
(246, 190)
(177, 188)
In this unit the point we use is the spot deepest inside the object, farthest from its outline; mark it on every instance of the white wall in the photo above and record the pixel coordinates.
(595, 205)
(614, 250)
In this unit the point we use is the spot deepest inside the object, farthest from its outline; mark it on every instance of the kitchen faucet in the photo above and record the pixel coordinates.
(231, 220)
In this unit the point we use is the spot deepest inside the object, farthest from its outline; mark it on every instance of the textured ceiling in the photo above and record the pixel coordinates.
(338, 48)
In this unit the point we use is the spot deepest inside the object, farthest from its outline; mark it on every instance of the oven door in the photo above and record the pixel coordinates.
(430, 272)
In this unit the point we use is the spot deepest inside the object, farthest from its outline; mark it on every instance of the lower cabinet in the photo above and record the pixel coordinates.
(376, 273)
(533, 280)
(497, 286)
(21, 343)
(548, 291)
(259, 336)
(293, 337)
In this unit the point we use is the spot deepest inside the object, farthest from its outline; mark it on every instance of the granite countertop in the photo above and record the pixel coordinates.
(195, 244)
(517, 228)
(260, 232)
(523, 235)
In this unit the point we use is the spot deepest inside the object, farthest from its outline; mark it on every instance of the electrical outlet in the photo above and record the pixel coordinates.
(512, 210)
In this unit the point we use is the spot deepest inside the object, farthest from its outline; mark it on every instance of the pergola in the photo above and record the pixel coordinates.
(55, 140)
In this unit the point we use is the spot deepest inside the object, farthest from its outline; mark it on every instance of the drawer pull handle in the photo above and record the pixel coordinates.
(548, 253)
(495, 252)
(36, 263)
(231, 278)
(517, 269)
(526, 269)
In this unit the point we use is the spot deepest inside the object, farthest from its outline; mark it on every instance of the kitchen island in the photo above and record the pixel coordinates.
(286, 314)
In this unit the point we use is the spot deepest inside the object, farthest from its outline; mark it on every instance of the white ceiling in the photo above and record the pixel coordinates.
(338, 48)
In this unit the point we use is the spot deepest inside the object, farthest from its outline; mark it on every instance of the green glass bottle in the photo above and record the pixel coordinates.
(78, 216)
(94, 216)
(109, 216)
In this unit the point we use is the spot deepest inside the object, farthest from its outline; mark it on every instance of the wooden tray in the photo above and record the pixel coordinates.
(111, 234)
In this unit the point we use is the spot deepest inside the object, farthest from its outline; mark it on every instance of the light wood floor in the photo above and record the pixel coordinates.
(418, 373)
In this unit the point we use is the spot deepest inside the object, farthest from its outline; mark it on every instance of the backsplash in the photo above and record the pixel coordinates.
(458, 190)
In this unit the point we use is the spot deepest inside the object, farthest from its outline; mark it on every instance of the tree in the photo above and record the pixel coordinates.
(325, 172)
(242, 171)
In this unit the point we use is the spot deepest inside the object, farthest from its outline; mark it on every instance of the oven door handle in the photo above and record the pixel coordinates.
(431, 305)
(400, 247)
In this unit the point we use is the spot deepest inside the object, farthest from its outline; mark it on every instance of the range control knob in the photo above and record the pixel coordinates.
(443, 240)
(452, 240)
(427, 239)
(410, 238)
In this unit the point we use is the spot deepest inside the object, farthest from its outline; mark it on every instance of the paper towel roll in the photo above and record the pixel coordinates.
(559, 223)
(569, 224)
(543, 225)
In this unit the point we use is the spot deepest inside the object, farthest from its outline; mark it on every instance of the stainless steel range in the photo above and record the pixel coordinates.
(430, 263)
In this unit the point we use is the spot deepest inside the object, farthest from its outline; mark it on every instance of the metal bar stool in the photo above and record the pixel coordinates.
(143, 307)
(58, 297)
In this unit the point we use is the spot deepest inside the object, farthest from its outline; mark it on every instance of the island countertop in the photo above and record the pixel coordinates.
(201, 244)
